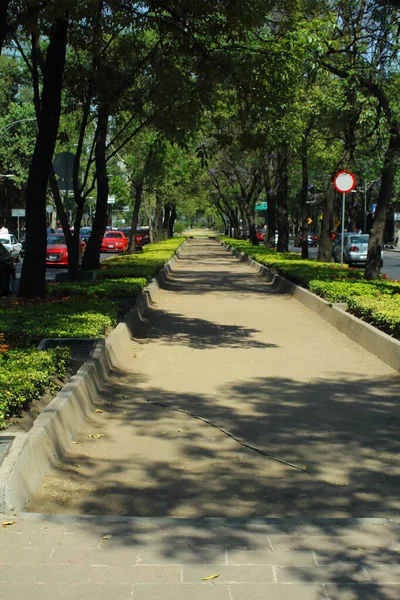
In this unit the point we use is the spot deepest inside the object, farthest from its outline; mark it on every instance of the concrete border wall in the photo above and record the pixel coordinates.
(32, 455)
(386, 348)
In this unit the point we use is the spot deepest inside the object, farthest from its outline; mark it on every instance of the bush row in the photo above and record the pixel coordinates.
(377, 302)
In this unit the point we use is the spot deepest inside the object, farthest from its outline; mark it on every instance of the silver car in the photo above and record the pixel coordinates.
(355, 249)
(12, 244)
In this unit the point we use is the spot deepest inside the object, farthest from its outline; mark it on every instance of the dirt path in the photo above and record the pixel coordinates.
(222, 345)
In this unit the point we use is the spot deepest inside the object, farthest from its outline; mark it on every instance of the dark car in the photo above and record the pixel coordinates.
(312, 240)
(7, 271)
(85, 233)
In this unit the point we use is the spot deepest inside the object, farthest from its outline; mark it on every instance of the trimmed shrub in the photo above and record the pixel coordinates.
(27, 323)
(25, 375)
(115, 288)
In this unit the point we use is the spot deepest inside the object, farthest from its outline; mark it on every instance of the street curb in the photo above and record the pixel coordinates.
(378, 343)
(32, 455)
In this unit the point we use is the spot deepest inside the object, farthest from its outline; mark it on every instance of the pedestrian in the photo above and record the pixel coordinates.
(3, 229)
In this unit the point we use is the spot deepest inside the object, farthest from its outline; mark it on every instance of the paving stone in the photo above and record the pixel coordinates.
(287, 542)
(16, 555)
(231, 573)
(65, 540)
(276, 591)
(186, 554)
(114, 556)
(386, 573)
(137, 574)
(357, 555)
(337, 574)
(17, 591)
(266, 556)
(184, 591)
(300, 542)
(73, 573)
(367, 591)
(54, 591)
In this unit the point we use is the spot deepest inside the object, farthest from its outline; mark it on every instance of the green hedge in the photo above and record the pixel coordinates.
(27, 323)
(113, 288)
(382, 311)
(25, 375)
(144, 264)
(343, 291)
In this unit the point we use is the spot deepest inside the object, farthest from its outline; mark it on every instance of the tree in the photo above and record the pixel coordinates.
(32, 282)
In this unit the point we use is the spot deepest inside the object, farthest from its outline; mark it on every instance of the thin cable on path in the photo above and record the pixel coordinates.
(229, 434)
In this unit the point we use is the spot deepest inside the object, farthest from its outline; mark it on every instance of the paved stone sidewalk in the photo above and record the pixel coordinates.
(63, 557)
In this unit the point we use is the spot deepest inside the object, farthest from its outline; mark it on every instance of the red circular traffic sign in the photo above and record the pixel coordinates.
(344, 182)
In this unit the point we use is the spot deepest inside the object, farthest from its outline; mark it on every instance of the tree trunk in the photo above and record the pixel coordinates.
(91, 258)
(33, 275)
(135, 215)
(158, 217)
(167, 218)
(304, 196)
(325, 240)
(172, 221)
(373, 266)
(3, 22)
(282, 203)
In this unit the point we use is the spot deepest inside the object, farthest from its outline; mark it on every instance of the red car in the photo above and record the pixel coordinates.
(142, 236)
(57, 251)
(114, 241)
(260, 233)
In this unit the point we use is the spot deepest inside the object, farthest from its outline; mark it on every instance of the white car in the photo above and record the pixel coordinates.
(12, 244)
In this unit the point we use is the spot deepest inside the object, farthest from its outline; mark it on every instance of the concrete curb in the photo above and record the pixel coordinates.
(383, 346)
(32, 455)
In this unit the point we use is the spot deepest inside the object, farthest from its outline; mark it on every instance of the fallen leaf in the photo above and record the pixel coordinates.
(77, 466)
(210, 577)
(95, 436)
(7, 523)
(75, 442)
(125, 412)
(180, 430)
(98, 410)
(106, 537)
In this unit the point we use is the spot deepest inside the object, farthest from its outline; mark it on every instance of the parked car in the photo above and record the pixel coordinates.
(57, 250)
(260, 233)
(114, 241)
(7, 271)
(85, 233)
(312, 240)
(142, 236)
(12, 244)
(355, 249)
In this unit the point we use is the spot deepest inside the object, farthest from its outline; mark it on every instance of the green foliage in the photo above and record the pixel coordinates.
(26, 324)
(142, 264)
(179, 227)
(114, 288)
(343, 291)
(383, 311)
(25, 375)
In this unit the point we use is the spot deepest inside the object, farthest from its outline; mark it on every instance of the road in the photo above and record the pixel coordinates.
(50, 272)
(391, 261)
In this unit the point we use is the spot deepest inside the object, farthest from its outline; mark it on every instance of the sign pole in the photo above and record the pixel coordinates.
(344, 182)
(342, 240)
(18, 226)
